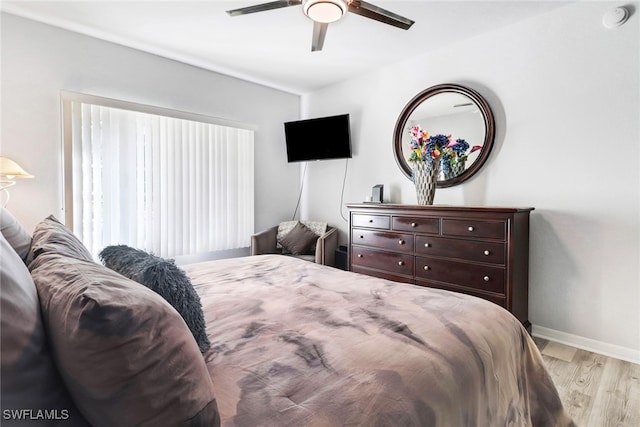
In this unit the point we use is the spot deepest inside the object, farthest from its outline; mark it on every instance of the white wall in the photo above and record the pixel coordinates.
(566, 95)
(38, 61)
(565, 92)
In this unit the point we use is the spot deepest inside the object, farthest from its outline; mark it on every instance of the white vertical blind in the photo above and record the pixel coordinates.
(163, 184)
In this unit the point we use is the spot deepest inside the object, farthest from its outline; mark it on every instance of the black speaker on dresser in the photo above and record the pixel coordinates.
(376, 193)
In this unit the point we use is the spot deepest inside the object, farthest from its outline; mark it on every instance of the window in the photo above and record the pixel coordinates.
(167, 182)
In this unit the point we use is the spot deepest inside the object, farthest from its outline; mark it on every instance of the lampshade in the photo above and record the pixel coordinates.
(10, 169)
(325, 11)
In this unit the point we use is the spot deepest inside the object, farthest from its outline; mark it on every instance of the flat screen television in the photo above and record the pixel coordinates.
(321, 138)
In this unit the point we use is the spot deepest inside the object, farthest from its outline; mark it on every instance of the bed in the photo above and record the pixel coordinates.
(295, 343)
(292, 343)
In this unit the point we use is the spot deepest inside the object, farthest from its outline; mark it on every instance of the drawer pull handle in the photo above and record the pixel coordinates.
(426, 267)
(487, 253)
(401, 242)
(401, 263)
(362, 237)
(360, 255)
(427, 245)
(470, 228)
(370, 221)
(485, 278)
(413, 224)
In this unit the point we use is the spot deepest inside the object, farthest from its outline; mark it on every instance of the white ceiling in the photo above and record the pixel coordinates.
(274, 47)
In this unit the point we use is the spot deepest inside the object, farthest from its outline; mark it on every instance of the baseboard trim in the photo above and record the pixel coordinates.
(609, 350)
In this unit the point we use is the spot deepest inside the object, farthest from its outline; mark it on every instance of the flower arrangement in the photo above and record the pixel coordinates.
(425, 148)
(456, 151)
(451, 152)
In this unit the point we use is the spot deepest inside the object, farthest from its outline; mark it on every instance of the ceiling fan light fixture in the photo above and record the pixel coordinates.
(325, 11)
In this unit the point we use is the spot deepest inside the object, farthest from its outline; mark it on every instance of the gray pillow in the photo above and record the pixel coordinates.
(15, 234)
(51, 236)
(125, 354)
(30, 380)
(163, 277)
(299, 240)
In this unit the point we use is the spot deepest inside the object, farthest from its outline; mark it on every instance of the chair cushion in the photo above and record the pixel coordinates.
(125, 354)
(319, 228)
(299, 240)
(163, 277)
(30, 380)
(283, 228)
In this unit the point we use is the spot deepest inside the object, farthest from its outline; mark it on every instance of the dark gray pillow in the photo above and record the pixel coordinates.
(166, 279)
(299, 240)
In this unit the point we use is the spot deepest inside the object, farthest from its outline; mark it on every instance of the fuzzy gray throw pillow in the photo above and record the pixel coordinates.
(163, 277)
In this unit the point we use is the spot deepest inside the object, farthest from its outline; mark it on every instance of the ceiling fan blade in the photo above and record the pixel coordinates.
(368, 10)
(319, 31)
(264, 6)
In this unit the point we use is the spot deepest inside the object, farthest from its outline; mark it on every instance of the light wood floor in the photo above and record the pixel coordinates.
(597, 391)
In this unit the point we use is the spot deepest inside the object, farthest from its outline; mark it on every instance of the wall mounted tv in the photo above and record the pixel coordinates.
(321, 138)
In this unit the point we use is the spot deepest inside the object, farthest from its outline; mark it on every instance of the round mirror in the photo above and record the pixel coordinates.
(449, 110)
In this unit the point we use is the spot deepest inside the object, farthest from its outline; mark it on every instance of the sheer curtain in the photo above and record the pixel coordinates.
(163, 184)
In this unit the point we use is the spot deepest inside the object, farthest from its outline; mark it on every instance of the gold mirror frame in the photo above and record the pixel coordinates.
(424, 96)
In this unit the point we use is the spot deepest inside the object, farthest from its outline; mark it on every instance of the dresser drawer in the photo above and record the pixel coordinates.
(463, 274)
(396, 263)
(474, 228)
(382, 274)
(471, 250)
(417, 225)
(383, 240)
(372, 221)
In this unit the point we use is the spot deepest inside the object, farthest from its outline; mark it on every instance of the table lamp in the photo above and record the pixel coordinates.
(9, 171)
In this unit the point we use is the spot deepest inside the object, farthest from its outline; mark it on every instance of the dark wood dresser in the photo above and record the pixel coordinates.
(481, 251)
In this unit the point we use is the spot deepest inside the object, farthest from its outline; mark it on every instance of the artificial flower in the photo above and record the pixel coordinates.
(445, 149)
(426, 148)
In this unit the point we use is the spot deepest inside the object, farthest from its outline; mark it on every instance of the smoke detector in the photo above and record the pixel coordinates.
(615, 17)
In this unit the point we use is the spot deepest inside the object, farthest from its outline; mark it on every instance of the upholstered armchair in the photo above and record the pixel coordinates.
(321, 250)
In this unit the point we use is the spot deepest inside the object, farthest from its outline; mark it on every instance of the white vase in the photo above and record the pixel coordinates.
(425, 178)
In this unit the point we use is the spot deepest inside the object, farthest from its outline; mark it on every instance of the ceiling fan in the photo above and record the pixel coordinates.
(323, 12)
